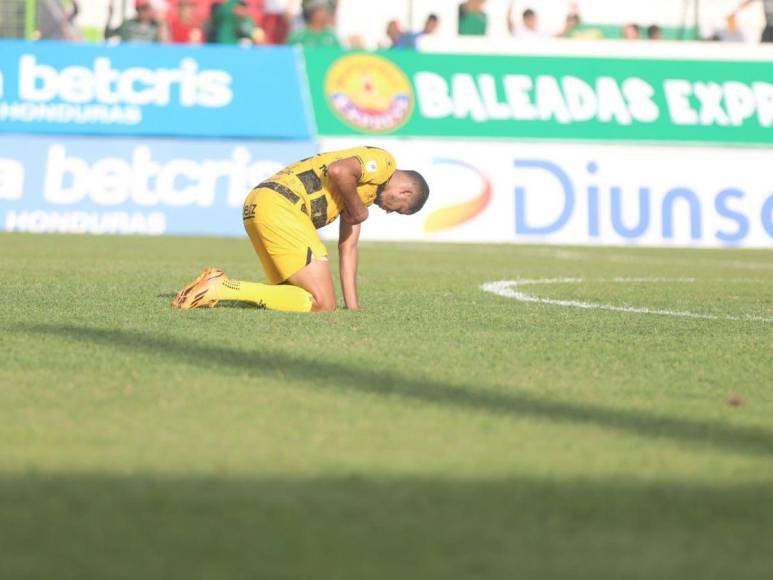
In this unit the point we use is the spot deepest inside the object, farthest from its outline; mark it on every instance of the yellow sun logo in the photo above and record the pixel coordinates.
(369, 92)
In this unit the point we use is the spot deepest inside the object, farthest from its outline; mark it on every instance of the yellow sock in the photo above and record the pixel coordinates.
(282, 297)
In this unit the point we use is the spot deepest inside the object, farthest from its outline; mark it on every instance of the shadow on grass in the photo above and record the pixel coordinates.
(475, 397)
(82, 526)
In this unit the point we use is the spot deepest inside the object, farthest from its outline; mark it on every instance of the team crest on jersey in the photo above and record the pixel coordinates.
(371, 166)
(369, 92)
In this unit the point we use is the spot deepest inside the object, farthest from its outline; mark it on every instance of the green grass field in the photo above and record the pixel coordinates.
(443, 433)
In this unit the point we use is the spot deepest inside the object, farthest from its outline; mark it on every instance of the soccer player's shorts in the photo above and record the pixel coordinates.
(283, 236)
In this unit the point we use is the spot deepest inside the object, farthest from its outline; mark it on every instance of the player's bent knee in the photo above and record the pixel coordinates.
(324, 304)
(323, 307)
(315, 278)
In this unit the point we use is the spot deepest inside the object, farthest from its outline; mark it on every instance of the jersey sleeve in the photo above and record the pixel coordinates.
(377, 165)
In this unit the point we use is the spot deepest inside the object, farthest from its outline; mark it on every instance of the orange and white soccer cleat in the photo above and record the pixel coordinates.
(203, 291)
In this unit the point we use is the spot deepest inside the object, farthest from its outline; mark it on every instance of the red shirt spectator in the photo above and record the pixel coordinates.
(276, 20)
(183, 28)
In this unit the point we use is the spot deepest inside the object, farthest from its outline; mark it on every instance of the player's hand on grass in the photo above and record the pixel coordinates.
(352, 218)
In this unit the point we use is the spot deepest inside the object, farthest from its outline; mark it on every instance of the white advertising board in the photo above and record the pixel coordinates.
(580, 194)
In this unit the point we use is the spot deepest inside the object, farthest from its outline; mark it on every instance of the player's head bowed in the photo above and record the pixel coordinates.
(405, 193)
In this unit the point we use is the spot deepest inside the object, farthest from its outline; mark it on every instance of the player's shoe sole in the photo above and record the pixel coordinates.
(203, 291)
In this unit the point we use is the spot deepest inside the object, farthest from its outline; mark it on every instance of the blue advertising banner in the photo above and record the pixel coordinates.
(199, 91)
(133, 186)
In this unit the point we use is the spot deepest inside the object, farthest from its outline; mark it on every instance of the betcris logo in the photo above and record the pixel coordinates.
(149, 90)
(103, 84)
(121, 186)
(598, 202)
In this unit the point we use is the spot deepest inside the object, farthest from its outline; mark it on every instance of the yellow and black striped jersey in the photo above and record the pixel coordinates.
(306, 182)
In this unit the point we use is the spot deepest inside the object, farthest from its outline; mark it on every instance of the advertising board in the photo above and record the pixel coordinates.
(128, 186)
(410, 94)
(145, 89)
(575, 194)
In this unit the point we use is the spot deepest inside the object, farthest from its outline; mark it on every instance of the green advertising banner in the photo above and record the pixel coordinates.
(411, 94)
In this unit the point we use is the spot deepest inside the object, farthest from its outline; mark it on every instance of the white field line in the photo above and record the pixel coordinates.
(511, 289)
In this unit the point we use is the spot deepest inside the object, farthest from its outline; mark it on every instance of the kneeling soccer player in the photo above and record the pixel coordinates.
(281, 216)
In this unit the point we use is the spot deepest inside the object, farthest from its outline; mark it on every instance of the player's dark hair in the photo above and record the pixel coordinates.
(420, 190)
(529, 13)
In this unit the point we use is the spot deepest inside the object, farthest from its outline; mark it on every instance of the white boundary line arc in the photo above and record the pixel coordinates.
(510, 289)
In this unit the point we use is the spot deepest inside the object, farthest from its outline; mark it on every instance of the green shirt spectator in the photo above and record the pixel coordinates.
(308, 37)
(317, 31)
(472, 19)
(231, 23)
(143, 28)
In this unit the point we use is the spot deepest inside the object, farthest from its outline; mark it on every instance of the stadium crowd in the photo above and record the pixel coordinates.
(313, 23)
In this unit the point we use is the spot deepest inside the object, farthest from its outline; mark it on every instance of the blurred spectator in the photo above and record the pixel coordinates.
(570, 25)
(529, 19)
(142, 28)
(183, 28)
(56, 20)
(394, 34)
(276, 20)
(308, 5)
(318, 30)
(767, 5)
(231, 23)
(631, 32)
(730, 33)
(396, 38)
(409, 39)
(654, 32)
(473, 21)
(529, 27)
(69, 30)
(430, 25)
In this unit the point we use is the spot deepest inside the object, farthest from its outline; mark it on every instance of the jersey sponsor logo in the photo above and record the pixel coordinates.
(457, 214)
(319, 212)
(311, 181)
(369, 93)
(248, 211)
(371, 166)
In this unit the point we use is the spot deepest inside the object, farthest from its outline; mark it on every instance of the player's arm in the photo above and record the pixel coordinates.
(345, 175)
(348, 236)
(742, 5)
